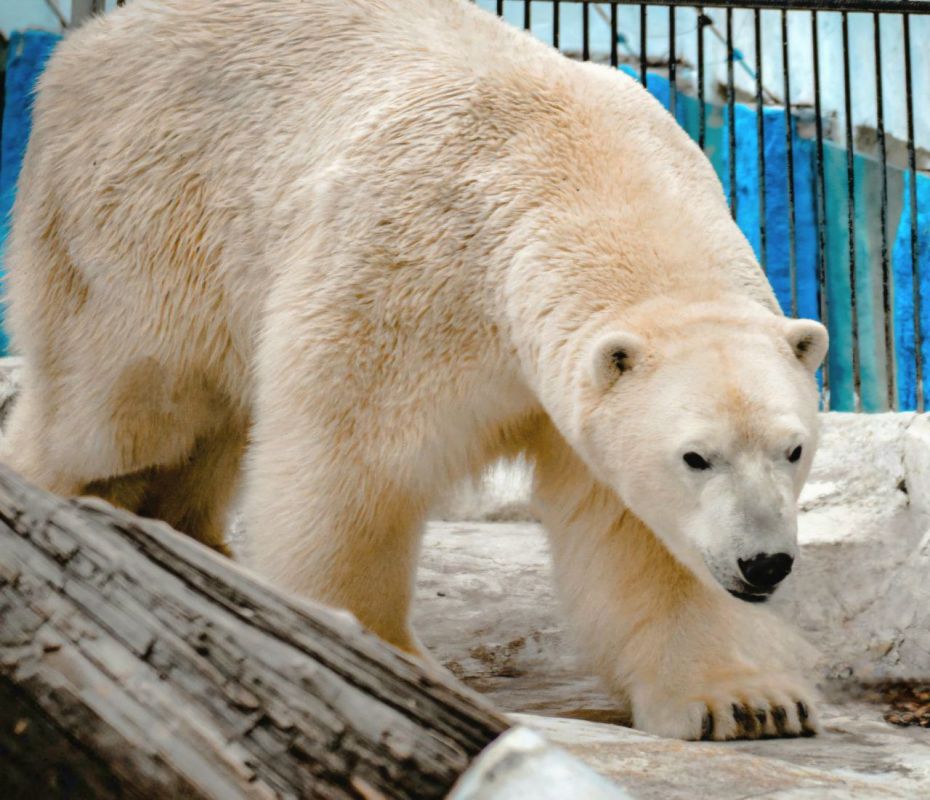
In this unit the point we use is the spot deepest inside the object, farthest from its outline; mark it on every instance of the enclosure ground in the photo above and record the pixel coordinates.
(485, 607)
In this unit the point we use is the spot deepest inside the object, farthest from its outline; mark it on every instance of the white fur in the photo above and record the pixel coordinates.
(372, 246)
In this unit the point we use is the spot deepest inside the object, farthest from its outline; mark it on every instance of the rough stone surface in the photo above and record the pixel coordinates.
(10, 370)
(860, 590)
(856, 759)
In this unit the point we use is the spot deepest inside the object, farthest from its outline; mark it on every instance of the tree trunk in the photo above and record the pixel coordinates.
(136, 663)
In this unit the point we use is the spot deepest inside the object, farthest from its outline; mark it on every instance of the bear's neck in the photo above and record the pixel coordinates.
(561, 297)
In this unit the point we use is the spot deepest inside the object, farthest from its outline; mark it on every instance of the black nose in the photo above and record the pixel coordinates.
(765, 571)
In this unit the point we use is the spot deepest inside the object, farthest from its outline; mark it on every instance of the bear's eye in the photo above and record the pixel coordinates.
(696, 461)
(795, 455)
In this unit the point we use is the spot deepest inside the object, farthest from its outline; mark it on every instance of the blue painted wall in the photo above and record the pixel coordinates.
(26, 58)
(869, 340)
(28, 53)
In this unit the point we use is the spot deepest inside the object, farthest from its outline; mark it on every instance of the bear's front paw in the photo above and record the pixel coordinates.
(728, 707)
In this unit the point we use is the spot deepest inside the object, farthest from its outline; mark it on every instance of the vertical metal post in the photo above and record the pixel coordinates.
(672, 63)
(851, 213)
(500, 8)
(556, 23)
(643, 41)
(789, 156)
(912, 200)
(883, 214)
(585, 31)
(731, 114)
(527, 15)
(614, 35)
(820, 207)
(702, 111)
(760, 138)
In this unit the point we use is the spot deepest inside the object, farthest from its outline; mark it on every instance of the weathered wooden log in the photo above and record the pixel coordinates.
(136, 663)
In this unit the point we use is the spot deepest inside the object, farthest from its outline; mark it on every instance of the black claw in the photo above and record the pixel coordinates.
(707, 727)
(803, 713)
(745, 720)
(761, 717)
(780, 718)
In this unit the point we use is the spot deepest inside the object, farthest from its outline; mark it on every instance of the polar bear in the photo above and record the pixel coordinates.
(357, 250)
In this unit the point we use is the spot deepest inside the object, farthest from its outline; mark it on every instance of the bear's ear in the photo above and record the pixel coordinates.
(613, 355)
(808, 341)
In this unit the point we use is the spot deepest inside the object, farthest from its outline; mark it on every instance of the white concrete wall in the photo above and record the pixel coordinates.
(17, 15)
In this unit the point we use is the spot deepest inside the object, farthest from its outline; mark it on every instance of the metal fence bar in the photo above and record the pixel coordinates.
(527, 15)
(702, 112)
(643, 44)
(731, 114)
(883, 160)
(820, 207)
(912, 202)
(586, 30)
(789, 163)
(672, 63)
(556, 21)
(614, 36)
(851, 215)
(760, 139)
(869, 6)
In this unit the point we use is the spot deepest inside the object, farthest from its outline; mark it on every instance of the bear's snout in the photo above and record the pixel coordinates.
(764, 572)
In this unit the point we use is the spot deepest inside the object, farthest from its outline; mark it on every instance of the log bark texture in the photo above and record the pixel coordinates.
(136, 663)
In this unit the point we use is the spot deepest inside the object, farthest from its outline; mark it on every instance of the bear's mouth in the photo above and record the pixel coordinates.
(752, 594)
(748, 597)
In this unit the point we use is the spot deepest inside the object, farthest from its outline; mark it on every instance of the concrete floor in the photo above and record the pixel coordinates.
(485, 608)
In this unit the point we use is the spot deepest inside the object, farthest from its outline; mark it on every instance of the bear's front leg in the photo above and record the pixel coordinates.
(695, 662)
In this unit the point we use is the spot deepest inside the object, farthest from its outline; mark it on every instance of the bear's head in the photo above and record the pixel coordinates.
(705, 424)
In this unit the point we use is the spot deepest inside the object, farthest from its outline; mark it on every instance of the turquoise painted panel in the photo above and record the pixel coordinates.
(904, 328)
(868, 334)
(838, 281)
(778, 249)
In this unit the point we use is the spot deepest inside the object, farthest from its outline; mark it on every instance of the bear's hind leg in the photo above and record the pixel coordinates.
(195, 496)
(132, 434)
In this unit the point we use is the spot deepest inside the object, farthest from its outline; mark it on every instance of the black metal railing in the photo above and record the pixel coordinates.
(889, 350)
(822, 222)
